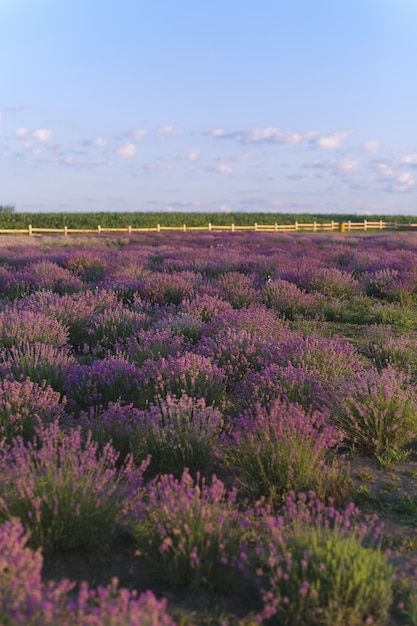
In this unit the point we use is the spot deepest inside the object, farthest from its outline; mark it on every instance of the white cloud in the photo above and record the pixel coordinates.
(266, 135)
(403, 182)
(346, 166)
(223, 169)
(22, 133)
(385, 170)
(138, 134)
(372, 147)
(169, 130)
(218, 132)
(409, 159)
(193, 154)
(329, 142)
(43, 134)
(126, 151)
(99, 142)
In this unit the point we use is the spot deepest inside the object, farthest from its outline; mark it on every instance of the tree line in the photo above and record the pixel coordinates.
(10, 219)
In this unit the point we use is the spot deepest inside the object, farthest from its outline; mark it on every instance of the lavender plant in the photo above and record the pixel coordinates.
(257, 320)
(334, 283)
(23, 596)
(104, 381)
(205, 306)
(165, 288)
(25, 404)
(309, 389)
(38, 361)
(290, 301)
(105, 330)
(235, 352)
(178, 433)
(47, 275)
(192, 533)
(379, 413)
(21, 327)
(333, 357)
(313, 568)
(236, 288)
(191, 374)
(153, 344)
(66, 493)
(384, 348)
(280, 450)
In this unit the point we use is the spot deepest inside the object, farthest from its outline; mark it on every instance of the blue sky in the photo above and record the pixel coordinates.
(220, 105)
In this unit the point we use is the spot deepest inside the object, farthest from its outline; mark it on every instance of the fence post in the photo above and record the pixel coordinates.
(65, 231)
(349, 227)
(30, 229)
(332, 225)
(365, 224)
(314, 226)
(296, 225)
(255, 227)
(233, 228)
(158, 228)
(99, 229)
(184, 227)
(342, 227)
(129, 229)
(380, 224)
(276, 227)
(209, 226)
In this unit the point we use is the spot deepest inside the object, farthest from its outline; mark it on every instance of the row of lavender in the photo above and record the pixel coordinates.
(135, 370)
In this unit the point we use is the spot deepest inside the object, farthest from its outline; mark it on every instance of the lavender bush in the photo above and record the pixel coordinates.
(38, 361)
(313, 568)
(279, 450)
(65, 493)
(153, 344)
(178, 433)
(379, 413)
(104, 381)
(192, 533)
(21, 327)
(24, 405)
(310, 389)
(384, 348)
(191, 374)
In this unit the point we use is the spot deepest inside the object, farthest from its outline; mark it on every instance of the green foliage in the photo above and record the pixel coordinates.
(323, 578)
(141, 219)
(6, 209)
(379, 417)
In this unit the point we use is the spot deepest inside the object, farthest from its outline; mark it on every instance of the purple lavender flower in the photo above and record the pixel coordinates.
(66, 492)
(23, 404)
(104, 381)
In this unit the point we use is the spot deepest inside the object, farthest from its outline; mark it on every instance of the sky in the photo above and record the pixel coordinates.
(209, 105)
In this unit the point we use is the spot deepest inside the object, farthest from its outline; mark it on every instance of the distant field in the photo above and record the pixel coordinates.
(150, 220)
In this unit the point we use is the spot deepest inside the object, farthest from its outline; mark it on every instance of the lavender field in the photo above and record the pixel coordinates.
(212, 429)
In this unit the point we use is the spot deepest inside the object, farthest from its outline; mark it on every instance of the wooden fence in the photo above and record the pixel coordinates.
(295, 227)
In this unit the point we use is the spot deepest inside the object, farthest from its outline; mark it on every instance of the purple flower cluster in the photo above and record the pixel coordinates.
(193, 533)
(64, 490)
(24, 405)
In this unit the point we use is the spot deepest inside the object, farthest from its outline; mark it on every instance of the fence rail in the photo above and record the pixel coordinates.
(295, 227)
